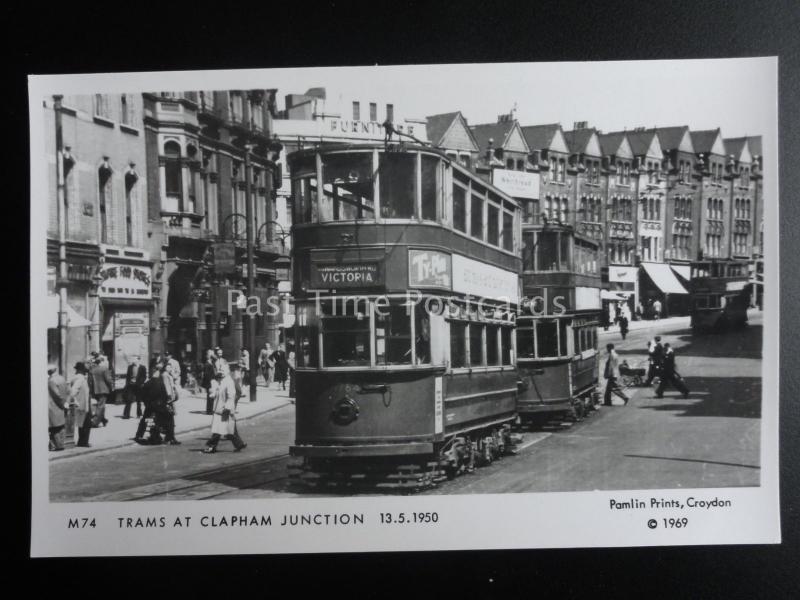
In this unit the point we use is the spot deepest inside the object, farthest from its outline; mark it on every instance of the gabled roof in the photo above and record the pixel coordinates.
(577, 139)
(440, 127)
(708, 141)
(500, 134)
(540, 137)
(644, 142)
(675, 138)
(611, 142)
(739, 148)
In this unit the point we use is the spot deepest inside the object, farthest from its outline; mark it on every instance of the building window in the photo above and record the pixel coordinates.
(104, 189)
(207, 101)
(257, 115)
(373, 111)
(101, 108)
(130, 205)
(390, 113)
(173, 177)
(356, 111)
(236, 106)
(126, 109)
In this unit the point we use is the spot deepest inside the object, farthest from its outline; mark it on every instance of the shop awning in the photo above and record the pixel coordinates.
(615, 295)
(73, 318)
(684, 271)
(664, 278)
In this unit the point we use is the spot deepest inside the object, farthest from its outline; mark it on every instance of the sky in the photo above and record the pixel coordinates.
(737, 95)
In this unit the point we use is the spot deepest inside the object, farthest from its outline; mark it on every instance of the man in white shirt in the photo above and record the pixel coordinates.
(223, 424)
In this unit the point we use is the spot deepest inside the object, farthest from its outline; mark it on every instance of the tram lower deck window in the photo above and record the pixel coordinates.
(492, 341)
(476, 345)
(458, 344)
(346, 341)
(543, 339)
(393, 336)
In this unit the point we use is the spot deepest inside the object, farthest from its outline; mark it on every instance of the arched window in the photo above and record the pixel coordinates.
(104, 192)
(173, 177)
(130, 205)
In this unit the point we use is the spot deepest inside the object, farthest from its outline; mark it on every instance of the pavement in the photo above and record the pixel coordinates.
(191, 416)
(678, 322)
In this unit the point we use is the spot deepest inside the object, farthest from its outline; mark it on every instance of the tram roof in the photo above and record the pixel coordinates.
(407, 147)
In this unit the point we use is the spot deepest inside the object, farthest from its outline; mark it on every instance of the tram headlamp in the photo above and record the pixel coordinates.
(345, 411)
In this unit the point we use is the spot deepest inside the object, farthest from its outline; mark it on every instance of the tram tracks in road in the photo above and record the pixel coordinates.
(203, 485)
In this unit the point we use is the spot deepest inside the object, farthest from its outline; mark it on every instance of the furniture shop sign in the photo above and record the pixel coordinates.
(126, 282)
(517, 184)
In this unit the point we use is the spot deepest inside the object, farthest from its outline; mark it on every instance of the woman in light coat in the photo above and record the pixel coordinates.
(223, 423)
(79, 398)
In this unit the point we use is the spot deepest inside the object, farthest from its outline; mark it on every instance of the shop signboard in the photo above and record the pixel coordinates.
(125, 282)
(224, 258)
(517, 184)
(482, 280)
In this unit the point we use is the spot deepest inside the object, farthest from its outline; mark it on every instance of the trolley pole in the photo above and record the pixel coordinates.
(251, 275)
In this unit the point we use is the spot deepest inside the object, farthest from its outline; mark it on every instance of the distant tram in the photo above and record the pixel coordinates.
(406, 289)
(719, 294)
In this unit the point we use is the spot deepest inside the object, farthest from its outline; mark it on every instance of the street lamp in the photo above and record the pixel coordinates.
(251, 276)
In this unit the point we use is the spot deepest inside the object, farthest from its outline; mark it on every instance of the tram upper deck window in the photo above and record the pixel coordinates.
(476, 217)
(459, 207)
(493, 224)
(508, 231)
(431, 185)
(347, 188)
(392, 335)
(345, 333)
(397, 185)
(547, 251)
(304, 189)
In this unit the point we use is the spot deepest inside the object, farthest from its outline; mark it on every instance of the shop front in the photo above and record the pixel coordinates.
(620, 294)
(660, 284)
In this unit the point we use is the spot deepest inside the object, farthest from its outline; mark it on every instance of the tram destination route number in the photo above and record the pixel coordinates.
(405, 518)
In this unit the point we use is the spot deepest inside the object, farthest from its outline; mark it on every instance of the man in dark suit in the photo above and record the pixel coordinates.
(101, 384)
(656, 355)
(134, 380)
(668, 374)
(209, 370)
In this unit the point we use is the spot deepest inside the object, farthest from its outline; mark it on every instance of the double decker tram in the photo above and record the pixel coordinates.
(406, 284)
(557, 323)
(720, 294)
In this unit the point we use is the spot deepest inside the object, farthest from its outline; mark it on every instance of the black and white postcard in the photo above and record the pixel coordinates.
(429, 307)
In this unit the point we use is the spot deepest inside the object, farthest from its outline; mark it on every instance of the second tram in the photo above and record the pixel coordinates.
(406, 289)
(719, 294)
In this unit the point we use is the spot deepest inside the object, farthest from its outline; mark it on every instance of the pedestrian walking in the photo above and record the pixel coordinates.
(670, 375)
(611, 374)
(151, 395)
(266, 363)
(134, 380)
(58, 396)
(623, 325)
(173, 368)
(222, 364)
(209, 370)
(292, 360)
(223, 423)
(101, 385)
(655, 353)
(657, 310)
(244, 364)
(79, 397)
(281, 365)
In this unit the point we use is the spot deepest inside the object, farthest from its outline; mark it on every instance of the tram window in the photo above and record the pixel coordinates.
(493, 225)
(508, 231)
(528, 250)
(347, 190)
(476, 345)
(547, 339)
(422, 331)
(305, 199)
(392, 336)
(459, 208)
(562, 335)
(492, 356)
(431, 184)
(307, 340)
(476, 217)
(565, 243)
(547, 251)
(525, 345)
(505, 345)
(345, 334)
(397, 185)
(458, 346)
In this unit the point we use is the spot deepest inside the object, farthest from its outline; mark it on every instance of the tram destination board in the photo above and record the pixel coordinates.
(435, 351)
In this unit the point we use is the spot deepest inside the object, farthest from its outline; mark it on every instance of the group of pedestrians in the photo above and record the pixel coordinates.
(87, 393)
(277, 367)
(661, 359)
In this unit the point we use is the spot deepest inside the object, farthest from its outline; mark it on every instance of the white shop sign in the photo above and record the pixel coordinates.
(623, 274)
(517, 184)
(125, 281)
(587, 298)
(484, 281)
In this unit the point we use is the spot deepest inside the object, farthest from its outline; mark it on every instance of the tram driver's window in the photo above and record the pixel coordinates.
(397, 176)
(392, 335)
(547, 339)
(458, 346)
(307, 346)
(431, 184)
(347, 188)
(346, 334)
(525, 346)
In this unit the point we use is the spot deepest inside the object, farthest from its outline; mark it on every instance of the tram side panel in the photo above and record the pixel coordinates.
(544, 388)
(479, 399)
